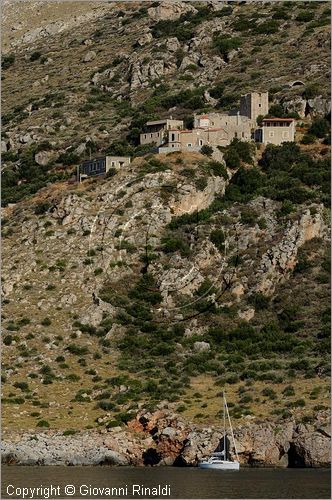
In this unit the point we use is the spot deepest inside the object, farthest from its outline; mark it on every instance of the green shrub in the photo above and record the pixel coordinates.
(181, 408)
(206, 150)
(218, 91)
(105, 405)
(78, 350)
(319, 128)
(43, 423)
(225, 44)
(312, 90)
(68, 158)
(171, 244)
(72, 377)
(248, 216)
(305, 17)
(46, 322)
(270, 393)
(259, 301)
(308, 139)
(7, 61)
(42, 207)
(288, 391)
(35, 56)
(280, 13)
(267, 27)
(69, 432)
(201, 183)
(286, 208)
(8, 339)
(218, 239)
(217, 168)
(22, 385)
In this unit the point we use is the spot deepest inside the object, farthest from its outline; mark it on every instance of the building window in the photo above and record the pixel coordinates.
(259, 105)
(173, 138)
(271, 133)
(285, 134)
(189, 145)
(113, 163)
(151, 135)
(242, 134)
(235, 135)
(200, 142)
(144, 136)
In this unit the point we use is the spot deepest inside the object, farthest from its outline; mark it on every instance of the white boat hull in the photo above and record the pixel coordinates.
(220, 465)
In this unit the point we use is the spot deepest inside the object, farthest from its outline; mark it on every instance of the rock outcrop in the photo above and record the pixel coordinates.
(163, 438)
(282, 257)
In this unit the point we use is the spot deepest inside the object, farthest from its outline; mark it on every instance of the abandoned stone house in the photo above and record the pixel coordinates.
(101, 165)
(277, 130)
(219, 129)
(156, 131)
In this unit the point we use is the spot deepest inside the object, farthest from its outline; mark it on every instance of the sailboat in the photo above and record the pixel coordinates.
(218, 459)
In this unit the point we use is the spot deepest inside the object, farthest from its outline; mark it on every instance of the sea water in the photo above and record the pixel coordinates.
(162, 482)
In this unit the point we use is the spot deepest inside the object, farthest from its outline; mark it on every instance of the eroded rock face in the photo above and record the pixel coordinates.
(141, 73)
(296, 105)
(282, 257)
(319, 106)
(192, 199)
(164, 438)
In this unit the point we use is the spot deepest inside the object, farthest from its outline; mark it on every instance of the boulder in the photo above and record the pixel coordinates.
(247, 314)
(311, 449)
(4, 147)
(202, 346)
(170, 10)
(43, 158)
(145, 39)
(172, 44)
(169, 432)
(80, 148)
(89, 56)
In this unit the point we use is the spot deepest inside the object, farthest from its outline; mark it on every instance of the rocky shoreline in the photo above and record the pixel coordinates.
(164, 438)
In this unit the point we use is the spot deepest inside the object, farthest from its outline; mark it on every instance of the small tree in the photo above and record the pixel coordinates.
(319, 128)
(206, 150)
(259, 120)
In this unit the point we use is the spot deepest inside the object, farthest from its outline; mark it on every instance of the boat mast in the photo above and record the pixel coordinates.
(230, 425)
(225, 446)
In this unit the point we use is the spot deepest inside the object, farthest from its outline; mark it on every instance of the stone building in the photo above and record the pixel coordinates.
(100, 166)
(156, 131)
(219, 129)
(193, 140)
(254, 104)
(277, 130)
(235, 126)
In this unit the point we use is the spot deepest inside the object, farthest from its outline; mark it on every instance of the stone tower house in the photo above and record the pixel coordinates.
(254, 104)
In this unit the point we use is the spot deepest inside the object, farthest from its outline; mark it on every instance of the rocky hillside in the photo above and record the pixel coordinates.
(163, 283)
(86, 77)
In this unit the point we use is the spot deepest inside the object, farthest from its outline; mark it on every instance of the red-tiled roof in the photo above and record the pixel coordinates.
(203, 116)
(278, 120)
